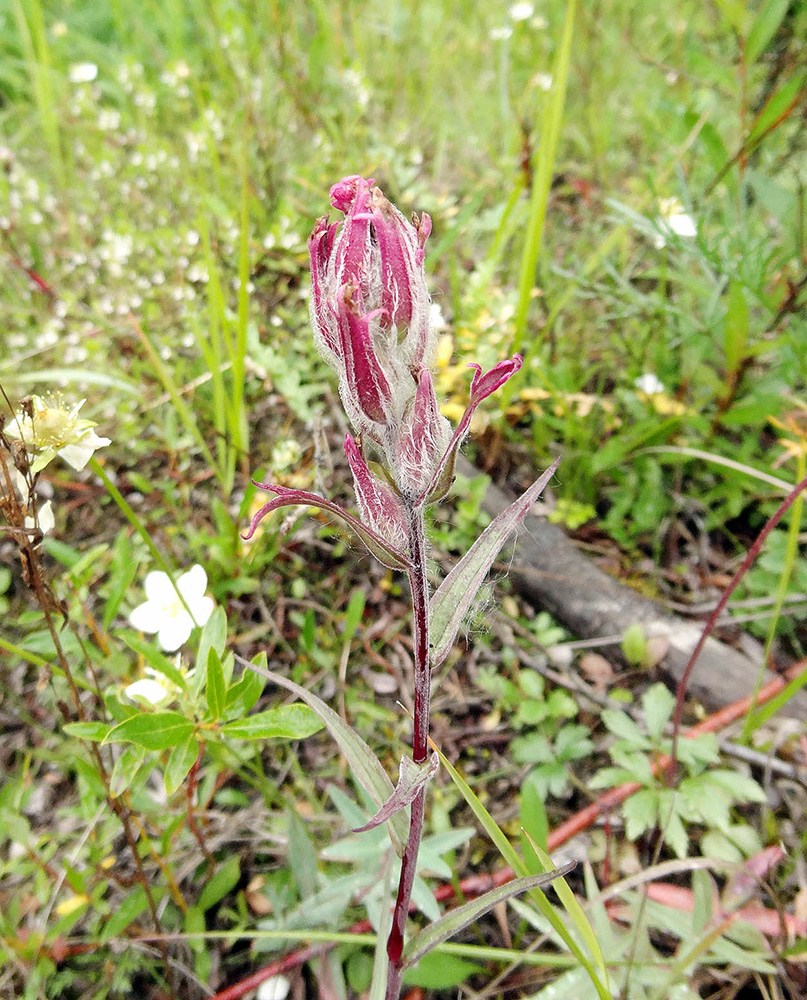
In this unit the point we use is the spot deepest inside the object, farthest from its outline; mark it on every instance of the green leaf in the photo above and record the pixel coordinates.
(127, 764)
(353, 615)
(302, 856)
(214, 635)
(453, 598)
(124, 914)
(157, 660)
(247, 689)
(363, 762)
(291, 722)
(778, 106)
(634, 644)
(95, 731)
(763, 28)
(735, 337)
(122, 572)
(533, 819)
(455, 920)
(215, 690)
(512, 858)
(658, 704)
(153, 730)
(440, 972)
(182, 759)
(640, 812)
(573, 908)
(223, 880)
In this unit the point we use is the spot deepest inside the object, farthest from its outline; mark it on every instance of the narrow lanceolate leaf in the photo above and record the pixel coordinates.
(182, 759)
(379, 547)
(455, 920)
(411, 778)
(363, 762)
(291, 722)
(153, 730)
(95, 731)
(451, 602)
(215, 688)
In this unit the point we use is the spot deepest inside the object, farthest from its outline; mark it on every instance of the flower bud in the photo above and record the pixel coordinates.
(380, 508)
(423, 440)
(369, 301)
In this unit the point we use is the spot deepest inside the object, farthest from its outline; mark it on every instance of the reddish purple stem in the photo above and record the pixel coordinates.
(419, 585)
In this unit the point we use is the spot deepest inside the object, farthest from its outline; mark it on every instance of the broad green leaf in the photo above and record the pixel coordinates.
(658, 704)
(221, 882)
(440, 971)
(215, 691)
(763, 28)
(363, 762)
(291, 722)
(455, 595)
(455, 920)
(124, 913)
(95, 731)
(153, 730)
(182, 759)
(124, 772)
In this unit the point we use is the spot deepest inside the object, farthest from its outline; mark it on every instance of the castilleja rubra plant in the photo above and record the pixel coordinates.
(370, 313)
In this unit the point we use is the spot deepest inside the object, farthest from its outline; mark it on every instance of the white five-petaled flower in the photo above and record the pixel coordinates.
(649, 384)
(164, 611)
(56, 429)
(673, 220)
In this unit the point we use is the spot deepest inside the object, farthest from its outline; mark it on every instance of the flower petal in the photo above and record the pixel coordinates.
(159, 588)
(147, 617)
(174, 632)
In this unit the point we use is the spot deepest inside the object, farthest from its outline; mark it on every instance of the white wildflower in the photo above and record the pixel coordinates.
(673, 220)
(165, 613)
(649, 384)
(521, 11)
(84, 72)
(148, 690)
(54, 429)
(543, 81)
(500, 34)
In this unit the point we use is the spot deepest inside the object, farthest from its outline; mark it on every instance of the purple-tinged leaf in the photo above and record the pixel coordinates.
(362, 761)
(451, 601)
(411, 778)
(385, 553)
(454, 921)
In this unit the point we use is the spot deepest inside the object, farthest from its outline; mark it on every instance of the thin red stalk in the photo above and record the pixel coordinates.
(750, 557)
(419, 586)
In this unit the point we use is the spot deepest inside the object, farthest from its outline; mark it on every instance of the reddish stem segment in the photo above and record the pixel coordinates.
(419, 585)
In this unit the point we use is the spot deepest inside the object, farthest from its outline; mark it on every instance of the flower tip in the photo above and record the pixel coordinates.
(345, 193)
